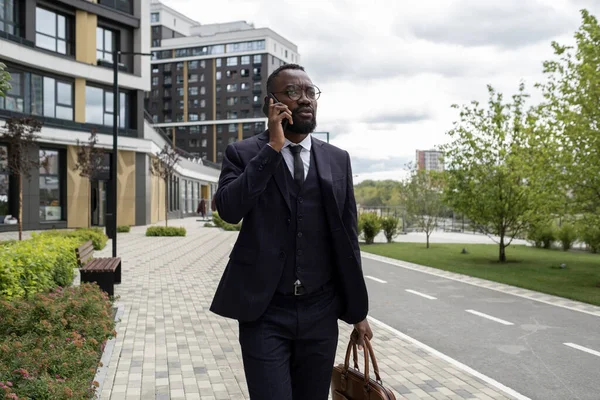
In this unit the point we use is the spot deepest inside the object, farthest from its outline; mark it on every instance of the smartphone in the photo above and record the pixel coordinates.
(266, 108)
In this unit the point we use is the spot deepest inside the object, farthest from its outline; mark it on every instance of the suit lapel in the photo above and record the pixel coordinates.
(323, 164)
(279, 173)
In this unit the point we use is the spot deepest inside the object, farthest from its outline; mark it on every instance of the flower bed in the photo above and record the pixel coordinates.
(50, 344)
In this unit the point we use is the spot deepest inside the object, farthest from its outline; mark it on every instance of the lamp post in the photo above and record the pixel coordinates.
(116, 115)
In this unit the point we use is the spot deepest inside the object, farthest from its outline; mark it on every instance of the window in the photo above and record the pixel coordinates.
(180, 91)
(204, 129)
(53, 31)
(231, 114)
(257, 59)
(245, 86)
(167, 80)
(179, 66)
(39, 95)
(193, 64)
(218, 75)
(167, 67)
(193, 103)
(201, 77)
(179, 118)
(232, 61)
(219, 128)
(218, 115)
(99, 107)
(194, 143)
(181, 104)
(193, 117)
(202, 116)
(231, 140)
(155, 81)
(245, 72)
(232, 101)
(231, 74)
(202, 103)
(245, 60)
(193, 78)
(202, 90)
(202, 63)
(204, 142)
(105, 44)
(232, 87)
(120, 5)
(257, 71)
(155, 70)
(256, 99)
(218, 62)
(179, 79)
(286, 54)
(9, 18)
(244, 100)
(245, 114)
(193, 91)
(218, 88)
(50, 198)
(232, 128)
(155, 17)
(4, 184)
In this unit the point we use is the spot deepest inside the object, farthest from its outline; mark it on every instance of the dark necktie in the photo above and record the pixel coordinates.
(298, 165)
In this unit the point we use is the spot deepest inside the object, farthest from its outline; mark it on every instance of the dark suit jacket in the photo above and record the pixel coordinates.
(252, 187)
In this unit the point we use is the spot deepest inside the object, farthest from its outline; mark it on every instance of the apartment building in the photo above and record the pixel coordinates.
(60, 56)
(209, 81)
(430, 160)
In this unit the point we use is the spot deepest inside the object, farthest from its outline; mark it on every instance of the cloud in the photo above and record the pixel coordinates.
(398, 117)
(362, 165)
(508, 24)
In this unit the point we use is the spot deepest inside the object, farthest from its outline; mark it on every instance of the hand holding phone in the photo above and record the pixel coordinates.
(279, 115)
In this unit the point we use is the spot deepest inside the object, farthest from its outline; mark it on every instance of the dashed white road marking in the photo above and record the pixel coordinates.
(421, 294)
(578, 347)
(448, 359)
(375, 279)
(501, 321)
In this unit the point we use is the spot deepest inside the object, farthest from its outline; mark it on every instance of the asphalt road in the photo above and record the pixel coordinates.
(518, 342)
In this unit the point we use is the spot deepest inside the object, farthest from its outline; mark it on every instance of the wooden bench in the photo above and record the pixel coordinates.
(104, 271)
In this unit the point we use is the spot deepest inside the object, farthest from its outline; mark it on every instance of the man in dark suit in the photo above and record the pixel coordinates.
(295, 268)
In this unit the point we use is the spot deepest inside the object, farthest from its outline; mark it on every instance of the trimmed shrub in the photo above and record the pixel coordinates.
(218, 221)
(590, 235)
(542, 235)
(123, 229)
(371, 226)
(390, 227)
(165, 231)
(31, 266)
(96, 235)
(567, 235)
(50, 345)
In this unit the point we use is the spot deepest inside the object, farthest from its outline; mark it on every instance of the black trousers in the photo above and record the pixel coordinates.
(289, 351)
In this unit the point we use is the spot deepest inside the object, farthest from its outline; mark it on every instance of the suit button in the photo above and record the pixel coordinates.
(300, 218)
(282, 255)
(299, 234)
(300, 200)
(289, 221)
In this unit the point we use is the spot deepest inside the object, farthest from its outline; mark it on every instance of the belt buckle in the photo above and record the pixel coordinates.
(299, 290)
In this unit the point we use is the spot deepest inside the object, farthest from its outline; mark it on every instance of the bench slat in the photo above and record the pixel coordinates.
(102, 264)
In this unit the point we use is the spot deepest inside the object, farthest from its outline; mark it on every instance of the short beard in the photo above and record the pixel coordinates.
(302, 127)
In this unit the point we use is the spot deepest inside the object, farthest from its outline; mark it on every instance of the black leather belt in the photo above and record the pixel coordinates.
(299, 290)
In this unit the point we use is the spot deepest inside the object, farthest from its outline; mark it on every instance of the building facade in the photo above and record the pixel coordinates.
(430, 160)
(209, 81)
(60, 56)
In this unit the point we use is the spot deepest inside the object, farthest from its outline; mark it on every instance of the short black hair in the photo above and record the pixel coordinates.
(278, 70)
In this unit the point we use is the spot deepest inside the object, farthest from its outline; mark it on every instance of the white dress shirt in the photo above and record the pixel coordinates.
(304, 154)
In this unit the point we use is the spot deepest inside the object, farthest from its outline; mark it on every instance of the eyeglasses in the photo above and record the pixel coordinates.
(294, 92)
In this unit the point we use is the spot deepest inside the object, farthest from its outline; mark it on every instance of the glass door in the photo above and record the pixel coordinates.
(98, 203)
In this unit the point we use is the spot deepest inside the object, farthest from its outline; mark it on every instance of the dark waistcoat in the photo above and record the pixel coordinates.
(310, 250)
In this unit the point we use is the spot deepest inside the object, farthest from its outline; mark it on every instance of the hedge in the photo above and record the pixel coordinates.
(96, 235)
(123, 228)
(50, 345)
(165, 231)
(225, 225)
(35, 265)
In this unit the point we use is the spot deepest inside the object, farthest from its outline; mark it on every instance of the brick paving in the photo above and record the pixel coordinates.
(170, 346)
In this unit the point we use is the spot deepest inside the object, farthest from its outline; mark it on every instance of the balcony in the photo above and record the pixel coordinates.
(257, 78)
(16, 39)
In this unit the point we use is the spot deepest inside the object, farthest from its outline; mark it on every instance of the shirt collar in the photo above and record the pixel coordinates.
(306, 143)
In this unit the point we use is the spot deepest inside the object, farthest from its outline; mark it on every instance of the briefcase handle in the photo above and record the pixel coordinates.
(368, 352)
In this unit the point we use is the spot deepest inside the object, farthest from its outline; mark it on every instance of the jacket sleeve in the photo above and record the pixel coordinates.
(349, 215)
(240, 186)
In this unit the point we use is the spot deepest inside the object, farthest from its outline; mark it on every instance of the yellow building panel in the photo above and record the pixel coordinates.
(79, 100)
(78, 193)
(126, 188)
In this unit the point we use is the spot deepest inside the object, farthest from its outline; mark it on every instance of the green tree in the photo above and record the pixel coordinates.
(499, 175)
(571, 93)
(4, 80)
(423, 198)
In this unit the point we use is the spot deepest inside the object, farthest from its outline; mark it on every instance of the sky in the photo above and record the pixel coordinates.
(389, 70)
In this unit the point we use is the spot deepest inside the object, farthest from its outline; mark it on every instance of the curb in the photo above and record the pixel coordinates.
(102, 371)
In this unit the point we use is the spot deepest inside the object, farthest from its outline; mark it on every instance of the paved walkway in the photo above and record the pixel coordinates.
(170, 346)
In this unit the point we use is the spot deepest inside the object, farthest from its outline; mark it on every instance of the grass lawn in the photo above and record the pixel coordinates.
(530, 268)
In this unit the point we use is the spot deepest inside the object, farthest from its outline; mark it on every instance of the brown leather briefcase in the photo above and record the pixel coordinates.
(351, 384)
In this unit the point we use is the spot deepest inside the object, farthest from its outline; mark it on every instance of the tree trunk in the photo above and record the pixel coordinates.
(428, 233)
(20, 222)
(502, 257)
(166, 202)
